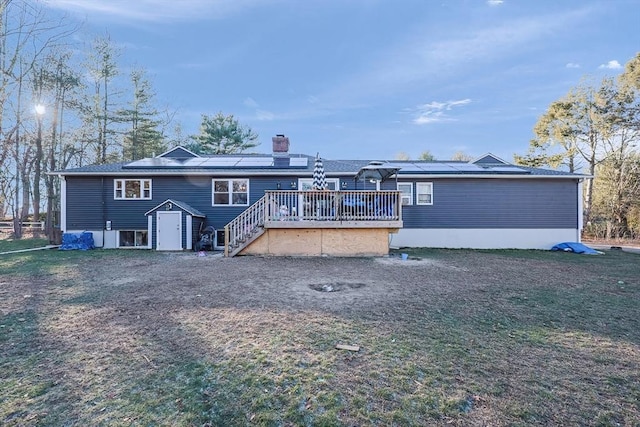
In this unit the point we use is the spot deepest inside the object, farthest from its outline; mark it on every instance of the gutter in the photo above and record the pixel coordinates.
(334, 174)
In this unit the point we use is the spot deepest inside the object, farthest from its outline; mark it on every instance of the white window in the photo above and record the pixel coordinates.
(424, 193)
(230, 192)
(406, 192)
(132, 189)
(133, 239)
(306, 184)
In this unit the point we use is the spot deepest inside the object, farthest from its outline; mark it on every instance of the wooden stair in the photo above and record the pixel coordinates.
(241, 244)
(245, 228)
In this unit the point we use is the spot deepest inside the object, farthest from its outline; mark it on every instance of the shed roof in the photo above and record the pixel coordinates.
(182, 205)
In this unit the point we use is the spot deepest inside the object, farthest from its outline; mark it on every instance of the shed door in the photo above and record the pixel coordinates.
(169, 231)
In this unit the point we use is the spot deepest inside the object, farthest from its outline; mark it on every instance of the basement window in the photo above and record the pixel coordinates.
(133, 239)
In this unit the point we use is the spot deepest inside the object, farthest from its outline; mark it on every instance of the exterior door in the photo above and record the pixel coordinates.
(169, 231)
(306, 184)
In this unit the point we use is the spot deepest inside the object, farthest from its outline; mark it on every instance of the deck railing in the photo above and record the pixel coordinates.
(312, 205)
(319, 205)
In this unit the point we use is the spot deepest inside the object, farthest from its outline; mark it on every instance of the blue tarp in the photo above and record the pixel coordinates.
(574, 247)
(74, 241)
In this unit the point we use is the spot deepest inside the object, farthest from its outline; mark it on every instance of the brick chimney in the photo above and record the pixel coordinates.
(280, 145)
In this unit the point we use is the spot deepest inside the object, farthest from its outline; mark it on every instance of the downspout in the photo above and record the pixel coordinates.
(580, 211)
(63, 203)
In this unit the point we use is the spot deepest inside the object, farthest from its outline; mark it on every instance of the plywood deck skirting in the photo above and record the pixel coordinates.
(323, 241)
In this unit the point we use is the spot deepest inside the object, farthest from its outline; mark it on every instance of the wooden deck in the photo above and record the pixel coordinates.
(349, 213)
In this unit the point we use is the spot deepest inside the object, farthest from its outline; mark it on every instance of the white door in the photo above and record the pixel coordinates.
(169, 231)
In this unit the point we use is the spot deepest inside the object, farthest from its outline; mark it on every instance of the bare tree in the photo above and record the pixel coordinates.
(26, 33)
(103, 69)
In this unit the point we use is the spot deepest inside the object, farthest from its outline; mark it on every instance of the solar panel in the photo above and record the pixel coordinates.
(298, 161)
(245, 162)
(194, 162)
(466, 167)
(436, 167)
(513, 169)
(154, 162)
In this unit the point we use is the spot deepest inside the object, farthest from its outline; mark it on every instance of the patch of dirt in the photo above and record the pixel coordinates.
(467, 320)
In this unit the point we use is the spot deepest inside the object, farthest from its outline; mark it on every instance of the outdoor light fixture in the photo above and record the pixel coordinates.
(294, 185)
(344, 185)
(278, 186)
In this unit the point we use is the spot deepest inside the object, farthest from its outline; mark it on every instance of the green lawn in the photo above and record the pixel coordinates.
(8, 245)
(449, 337)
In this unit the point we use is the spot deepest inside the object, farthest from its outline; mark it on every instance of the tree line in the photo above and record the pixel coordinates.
(595, 129)
(64, 105)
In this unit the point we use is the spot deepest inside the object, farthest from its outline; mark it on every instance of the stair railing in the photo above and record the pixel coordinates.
(242, 227)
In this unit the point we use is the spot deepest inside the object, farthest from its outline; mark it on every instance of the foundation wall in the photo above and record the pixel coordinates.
(318, 242)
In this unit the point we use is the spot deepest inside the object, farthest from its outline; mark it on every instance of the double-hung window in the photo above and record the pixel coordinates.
(132, 189)
(406, 192)
(424, 193)
(230, 192)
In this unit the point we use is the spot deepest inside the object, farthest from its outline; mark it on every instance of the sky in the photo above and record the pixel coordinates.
(368, 79)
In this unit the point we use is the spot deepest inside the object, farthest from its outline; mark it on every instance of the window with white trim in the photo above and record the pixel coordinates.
(406, 192)
(424, 193)
(132, 189)
(230, 192)
(133, 239)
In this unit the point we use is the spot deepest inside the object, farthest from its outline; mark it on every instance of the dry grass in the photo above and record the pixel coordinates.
(446, 338)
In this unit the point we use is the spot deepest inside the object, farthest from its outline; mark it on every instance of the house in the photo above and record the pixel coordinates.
(266, 204)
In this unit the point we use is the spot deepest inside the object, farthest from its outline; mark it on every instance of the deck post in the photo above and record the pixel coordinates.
(226, 240)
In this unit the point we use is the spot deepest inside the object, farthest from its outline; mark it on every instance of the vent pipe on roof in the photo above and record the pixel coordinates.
(280, 145)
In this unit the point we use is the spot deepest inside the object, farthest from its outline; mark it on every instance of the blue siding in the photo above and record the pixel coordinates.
(87, 202)
(497, 203)
(458, 203)
(86, 210)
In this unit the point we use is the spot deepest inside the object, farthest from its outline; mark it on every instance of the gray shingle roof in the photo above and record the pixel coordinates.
(332, 168)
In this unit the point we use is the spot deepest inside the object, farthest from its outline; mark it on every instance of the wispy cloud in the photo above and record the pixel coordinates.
(572, 65)
(423, 58)
(154, 10)
(264, 115)
(611, 65)
(435, 111)
(250, 102)
(495, 2)
(260, 113)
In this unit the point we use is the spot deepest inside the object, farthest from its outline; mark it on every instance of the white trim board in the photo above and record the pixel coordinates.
(63, 204)
(189, 224)
(149, 231)
(485, 238)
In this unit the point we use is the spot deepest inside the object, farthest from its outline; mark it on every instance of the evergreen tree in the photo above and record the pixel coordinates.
(221, 134)
(142, 137)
